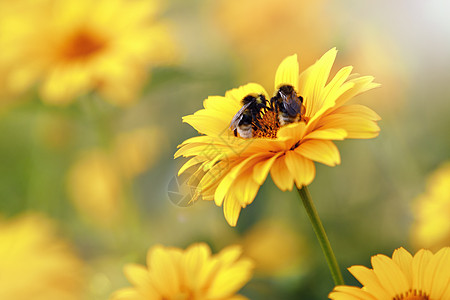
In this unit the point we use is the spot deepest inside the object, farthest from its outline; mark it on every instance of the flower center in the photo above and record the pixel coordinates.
(82, 45)
(412, 295)
(269, 126)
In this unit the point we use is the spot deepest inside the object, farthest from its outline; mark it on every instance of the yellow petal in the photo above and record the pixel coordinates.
(231, 209)
(287, 73)
(229, 178)
(137, 275)
(261, 169)
(419, 265)
(130, 294)
(350, 293)
(437, 275)
(293, 133)
(281, 175)
(301, 168)
(164, 273)
(370, 282)
(332, 92)
(230, 279)
(327, 134)
(356, 127)
(193, 260)
(361, 84)
(390, 275)
(245, 188)
(322, 151)
(357, 110)
(404, 260)
(314, 84)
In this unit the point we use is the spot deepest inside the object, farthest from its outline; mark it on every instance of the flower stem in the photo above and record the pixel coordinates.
(321, 235)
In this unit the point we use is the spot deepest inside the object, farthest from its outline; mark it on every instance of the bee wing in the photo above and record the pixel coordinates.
(292, 106)
(238, 116)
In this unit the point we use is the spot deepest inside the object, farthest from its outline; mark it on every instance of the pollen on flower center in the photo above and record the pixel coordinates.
(412, 295)
(81, 45)
(269, 126)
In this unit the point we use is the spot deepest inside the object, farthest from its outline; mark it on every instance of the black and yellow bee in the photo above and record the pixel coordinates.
(247, 118)
(287, 105)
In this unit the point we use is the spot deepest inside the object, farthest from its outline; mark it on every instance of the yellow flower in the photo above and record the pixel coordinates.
(431, 228)
(231, 169)
(73, 47)
(194, 273)
(95, 187)
(97, 179)
(135, 150)
(276, 249)
(34, 263)
(404, 277)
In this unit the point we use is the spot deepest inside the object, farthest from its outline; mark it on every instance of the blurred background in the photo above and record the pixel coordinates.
(86, 149)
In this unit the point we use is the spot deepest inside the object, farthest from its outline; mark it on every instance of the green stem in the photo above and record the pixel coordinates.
(321, 235)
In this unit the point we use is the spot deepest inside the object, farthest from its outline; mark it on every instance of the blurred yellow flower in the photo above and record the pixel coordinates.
(97, 180)
(194, 273)
(135, 150)
(404, 277)
(266, 30)
(73, 47)
(275, 248)
(231, 169)
(95, 187)
(34, 263)
(431, 228)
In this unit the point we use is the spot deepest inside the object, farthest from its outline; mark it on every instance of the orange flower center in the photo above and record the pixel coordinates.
(269, 126)
(412, 295)
(82, 45)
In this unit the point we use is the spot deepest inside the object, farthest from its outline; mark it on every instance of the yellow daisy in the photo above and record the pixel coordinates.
(73, 47)
(230, 169)
(35, 264)
(426, 276)
(431, 227)
(194, 273)
(95, 187)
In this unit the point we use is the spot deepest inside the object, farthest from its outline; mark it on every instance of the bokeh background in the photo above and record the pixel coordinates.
(105, 176)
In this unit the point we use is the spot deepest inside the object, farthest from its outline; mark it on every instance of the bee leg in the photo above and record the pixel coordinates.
(235, 132)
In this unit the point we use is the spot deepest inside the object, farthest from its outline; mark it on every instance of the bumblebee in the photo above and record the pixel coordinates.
(247, 118)
(287, 105)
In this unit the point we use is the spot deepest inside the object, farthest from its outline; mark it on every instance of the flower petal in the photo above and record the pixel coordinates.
(356, 127)
(437, 275)
(322, 151)
(390, 275)
(245, 188)
(327, 134)
(292, 133)
(332, 92)
(281, 175)
(192, 263)
(419, 265)
(343, 292)
(287, 73)
(231, 208)
(357, 110)
(404, 260)
(261, 169)
(361, 84)
(313, 84)
(370, 282)
(163, 275)
(301, 168)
